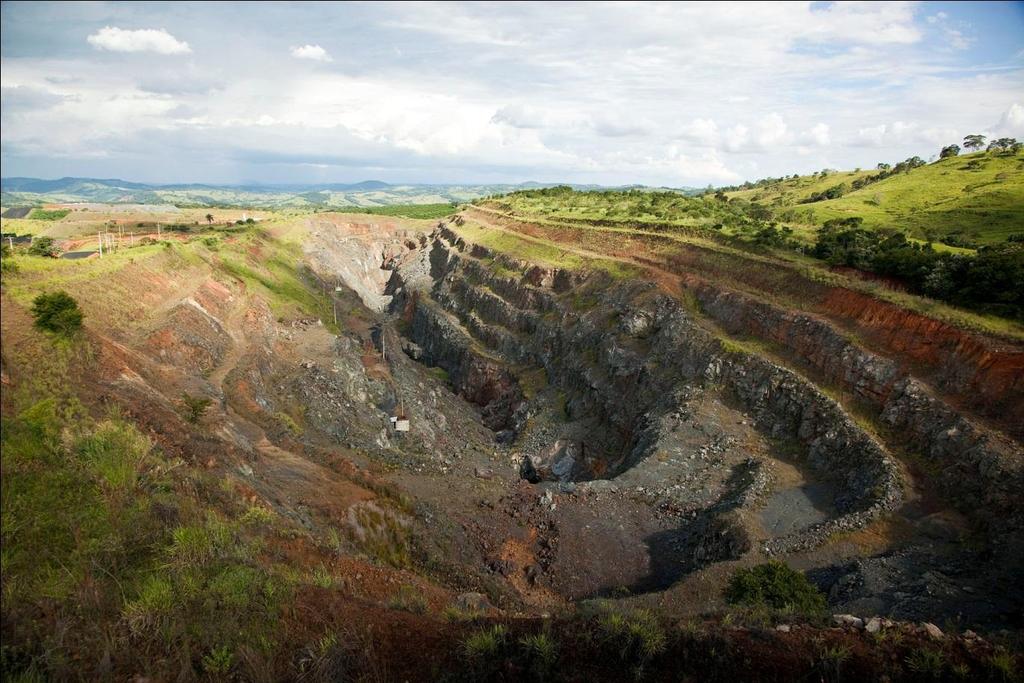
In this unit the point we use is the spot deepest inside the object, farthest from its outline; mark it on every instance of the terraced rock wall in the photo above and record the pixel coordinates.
(622, 352)
(979, 467)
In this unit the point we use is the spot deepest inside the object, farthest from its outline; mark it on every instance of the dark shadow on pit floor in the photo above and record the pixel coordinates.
(673, 553)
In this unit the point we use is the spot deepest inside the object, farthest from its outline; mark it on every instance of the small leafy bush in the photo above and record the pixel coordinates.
(774, 585)
(195, 406)
(44, 246)
(57, 312)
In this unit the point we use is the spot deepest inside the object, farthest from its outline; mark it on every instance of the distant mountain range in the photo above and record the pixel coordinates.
(34, 191)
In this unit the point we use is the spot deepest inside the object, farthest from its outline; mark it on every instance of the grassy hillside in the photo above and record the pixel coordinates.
(923, 205)
(627, 208)
(975, 198)
(425, 211)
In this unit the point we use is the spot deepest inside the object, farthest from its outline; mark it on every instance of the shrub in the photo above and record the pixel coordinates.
(409, 599)
(484, 643)
(44, 246)
(48, 214)
(195, 406)
(218, 661)
(540, 651)
(115, 451)
(639, 636)
(156, 598)
(7, 264)
(775, 585)
(382, 535)
(57, 312)
(926, 662)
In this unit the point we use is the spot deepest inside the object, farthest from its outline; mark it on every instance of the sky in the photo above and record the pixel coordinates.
(672, 94)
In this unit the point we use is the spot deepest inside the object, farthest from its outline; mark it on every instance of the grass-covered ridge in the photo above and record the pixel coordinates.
(539, 251)
(974, 198)
(425, 211)
(48, 214)
(981, 221)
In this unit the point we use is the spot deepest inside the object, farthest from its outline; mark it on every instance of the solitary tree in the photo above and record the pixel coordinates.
(209, 218)
(949, 151)
(57, 312)
(974, 142)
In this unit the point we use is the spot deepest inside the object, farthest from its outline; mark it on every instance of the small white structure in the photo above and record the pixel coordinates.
(402, 425)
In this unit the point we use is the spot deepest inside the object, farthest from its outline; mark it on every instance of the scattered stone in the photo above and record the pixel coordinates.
(848, 620)
(874, 625)
(246, 470)
(933, 630)
(484, 473)
(783, 628)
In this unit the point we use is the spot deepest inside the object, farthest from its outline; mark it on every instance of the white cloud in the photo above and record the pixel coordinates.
(524, 116)
(1011, 123)
(314, 52)
(817, 135)
(615, 125)
(872, 136)
(700, 132)
(143, 40)
(603, 92)
(958, 40)
(769, 132)
(736, 137)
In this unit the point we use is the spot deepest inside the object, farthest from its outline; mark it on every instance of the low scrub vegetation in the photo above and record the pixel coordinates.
(981, 271)
(44, 246)
(776, 586)
(989, 279)
(103, 541)
(194, 407)
(48, 214)
(425, 211)
(57, 312)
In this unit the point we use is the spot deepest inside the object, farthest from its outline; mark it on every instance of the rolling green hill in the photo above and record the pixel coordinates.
(976, 198)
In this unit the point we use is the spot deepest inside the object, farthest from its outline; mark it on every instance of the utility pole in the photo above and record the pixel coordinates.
(99, 236)
(132, 235)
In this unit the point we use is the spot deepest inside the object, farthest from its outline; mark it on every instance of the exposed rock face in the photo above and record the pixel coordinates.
(978, 465)
(359, 256)
(620, 352)
(978, 372)
(562, 461)
(989, 378)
